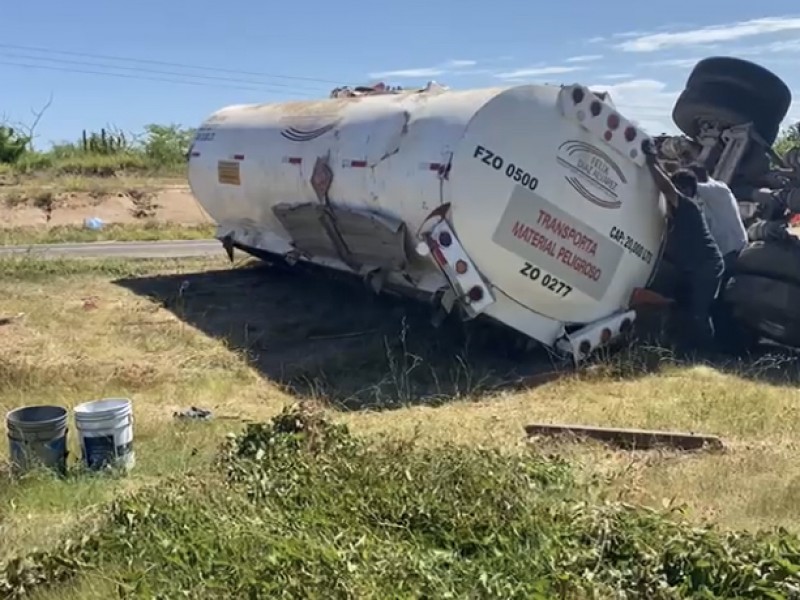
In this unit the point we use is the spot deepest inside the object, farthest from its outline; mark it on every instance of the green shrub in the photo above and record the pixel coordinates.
(300, 508)
(13, 145)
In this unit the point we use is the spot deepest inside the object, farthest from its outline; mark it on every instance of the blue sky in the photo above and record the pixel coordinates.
(260, 51)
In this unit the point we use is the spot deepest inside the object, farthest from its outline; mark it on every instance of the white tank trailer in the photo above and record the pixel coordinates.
(530, 205)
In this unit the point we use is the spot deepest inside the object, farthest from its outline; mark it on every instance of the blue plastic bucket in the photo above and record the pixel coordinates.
(37, 437)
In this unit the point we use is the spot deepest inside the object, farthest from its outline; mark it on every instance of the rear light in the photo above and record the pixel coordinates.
(445, 239)
(475, 294)
(461, 267)
(604, 122)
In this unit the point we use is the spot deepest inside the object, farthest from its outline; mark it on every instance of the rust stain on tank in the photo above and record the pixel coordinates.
(316, 107)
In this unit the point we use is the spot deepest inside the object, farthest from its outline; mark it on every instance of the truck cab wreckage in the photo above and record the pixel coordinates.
(530, 205)
(730, 113)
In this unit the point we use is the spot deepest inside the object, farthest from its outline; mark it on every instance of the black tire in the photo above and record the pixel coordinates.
(768, 306)
(747, 76)
(776, 260)
(728, 106)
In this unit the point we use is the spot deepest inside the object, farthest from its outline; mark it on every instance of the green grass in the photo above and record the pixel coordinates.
(137, 232)
(371, 514)
(91, 165)
(298, 507)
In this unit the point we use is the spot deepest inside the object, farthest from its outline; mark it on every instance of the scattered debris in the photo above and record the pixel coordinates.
(93, 223)
(10, 320)
(90, 303)
(634, 439)
(194, 414)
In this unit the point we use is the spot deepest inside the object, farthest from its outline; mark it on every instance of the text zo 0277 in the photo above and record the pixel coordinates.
(512, 171)
(553, 284)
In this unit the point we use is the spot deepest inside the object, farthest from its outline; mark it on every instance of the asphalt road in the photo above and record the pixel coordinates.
(166, 249)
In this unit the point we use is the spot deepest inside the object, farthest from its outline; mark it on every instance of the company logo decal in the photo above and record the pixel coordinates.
(592, 173)
(295, 134)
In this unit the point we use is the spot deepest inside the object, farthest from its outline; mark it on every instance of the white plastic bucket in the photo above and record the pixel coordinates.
(105, 430)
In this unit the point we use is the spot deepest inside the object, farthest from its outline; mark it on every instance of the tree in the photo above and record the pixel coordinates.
(788, 139)
(167, 144)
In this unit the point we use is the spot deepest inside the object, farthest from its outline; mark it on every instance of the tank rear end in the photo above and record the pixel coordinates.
(552, 201)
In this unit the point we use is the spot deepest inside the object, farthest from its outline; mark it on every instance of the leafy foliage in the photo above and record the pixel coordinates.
(13, 145)
(167, 144)
(299, 507)
(789, 138)
(106, 153)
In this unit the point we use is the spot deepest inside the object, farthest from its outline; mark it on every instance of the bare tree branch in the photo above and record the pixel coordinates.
(37, 116)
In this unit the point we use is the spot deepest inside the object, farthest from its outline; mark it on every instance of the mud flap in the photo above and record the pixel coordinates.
(227, 244)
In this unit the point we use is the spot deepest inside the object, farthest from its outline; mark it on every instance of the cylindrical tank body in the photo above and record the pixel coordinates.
(548, 193)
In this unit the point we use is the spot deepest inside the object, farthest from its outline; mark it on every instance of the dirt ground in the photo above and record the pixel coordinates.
(168, 204)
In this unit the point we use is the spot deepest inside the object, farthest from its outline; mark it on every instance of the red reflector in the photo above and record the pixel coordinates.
(613, 121)
(461, 267)
(358, 163)
(238, 157)
(445, 239)
(578, 95)
(437, 254)
(630, 133)
(595, 108)
(607, 136)
(475, 294)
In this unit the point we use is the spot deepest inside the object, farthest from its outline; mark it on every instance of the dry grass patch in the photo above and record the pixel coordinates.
(147, 231)
(753, 484)
(193, 333)
(22, 188)
(75, 338)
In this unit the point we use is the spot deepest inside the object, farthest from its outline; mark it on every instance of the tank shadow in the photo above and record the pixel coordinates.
(329, 338)
(326, 337)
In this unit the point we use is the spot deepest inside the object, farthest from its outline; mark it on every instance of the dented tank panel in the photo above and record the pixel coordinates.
(547, 193)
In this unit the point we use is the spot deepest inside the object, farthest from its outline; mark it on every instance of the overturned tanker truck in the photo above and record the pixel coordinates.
(528, 205)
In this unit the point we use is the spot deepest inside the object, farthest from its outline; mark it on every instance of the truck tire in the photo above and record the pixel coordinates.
(776, 260)
(747, 76)
(768, 306)
(727, 105)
